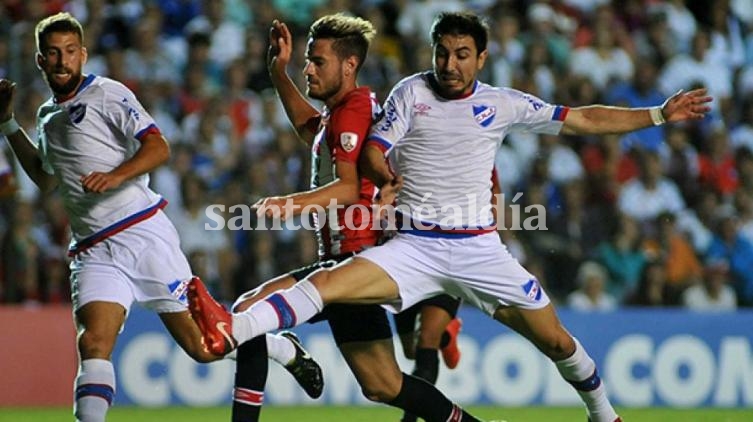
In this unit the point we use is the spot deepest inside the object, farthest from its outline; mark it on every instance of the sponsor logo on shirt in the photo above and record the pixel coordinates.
(77, 113)
(421, 109)
(532, 290)
(348, 140)
(389, 116)
(484, 115)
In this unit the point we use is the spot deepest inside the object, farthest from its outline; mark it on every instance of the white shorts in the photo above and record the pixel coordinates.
(478, 269)
(143, 263)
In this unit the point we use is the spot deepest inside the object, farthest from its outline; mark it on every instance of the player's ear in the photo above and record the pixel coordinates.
(84, 55)
(482, 58)
(351, 64)
(40, 60)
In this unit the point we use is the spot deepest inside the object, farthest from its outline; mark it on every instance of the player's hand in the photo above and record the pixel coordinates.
(275, 207)
(280, 47)
(388, 192)
(7, 90)
(691, 105)
(98, 182)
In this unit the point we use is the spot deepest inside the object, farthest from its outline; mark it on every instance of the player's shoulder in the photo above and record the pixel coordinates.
(109, 87)
(359, 97)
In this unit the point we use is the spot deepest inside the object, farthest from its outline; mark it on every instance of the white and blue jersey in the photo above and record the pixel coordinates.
(445, 148)
(96, 129)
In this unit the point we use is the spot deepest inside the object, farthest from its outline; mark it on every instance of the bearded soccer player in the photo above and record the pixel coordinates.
(433, 118)
(96, 145)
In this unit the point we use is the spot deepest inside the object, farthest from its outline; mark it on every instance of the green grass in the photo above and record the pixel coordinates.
(376, 413)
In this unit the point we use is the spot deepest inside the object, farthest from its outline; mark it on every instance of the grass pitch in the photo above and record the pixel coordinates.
(375, 413)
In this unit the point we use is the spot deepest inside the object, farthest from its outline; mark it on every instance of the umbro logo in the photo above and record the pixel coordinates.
(421, 109)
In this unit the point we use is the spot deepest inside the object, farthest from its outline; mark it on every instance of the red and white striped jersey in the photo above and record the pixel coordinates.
(342, 132)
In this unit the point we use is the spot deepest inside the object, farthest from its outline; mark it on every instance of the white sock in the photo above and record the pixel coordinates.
(283, 309)
(580, 371)
(280, 349)
(95, 389)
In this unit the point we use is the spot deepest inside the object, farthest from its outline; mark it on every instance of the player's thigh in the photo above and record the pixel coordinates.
(356, 280)
(150, 254)
(541, 326)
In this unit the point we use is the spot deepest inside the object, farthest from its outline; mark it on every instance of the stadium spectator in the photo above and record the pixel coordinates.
(651, 290)
(729, 245)
(682, 266)
(716, 164)
(590, 295)
(713, 292)
(623, 258)
(21, 258)
(651, 193)
(416, 263)
(680, 162)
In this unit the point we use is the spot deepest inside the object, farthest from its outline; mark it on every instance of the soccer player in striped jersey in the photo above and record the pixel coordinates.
(336, 49)
(446, 126)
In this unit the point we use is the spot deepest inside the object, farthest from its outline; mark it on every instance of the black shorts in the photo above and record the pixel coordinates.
(349, 323)
(405, 321)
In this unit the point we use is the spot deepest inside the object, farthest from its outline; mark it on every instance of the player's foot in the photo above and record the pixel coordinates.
(214, 321)
(451, 352)
(304, 368)
(619, 419)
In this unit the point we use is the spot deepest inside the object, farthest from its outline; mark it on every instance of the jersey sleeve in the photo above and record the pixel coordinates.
(42, 145)
(349, 127)
(535, 115)
(126, 113)
(394, 122)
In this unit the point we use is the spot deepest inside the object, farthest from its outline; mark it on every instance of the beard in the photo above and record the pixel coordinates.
(66, 88)
(324, 92)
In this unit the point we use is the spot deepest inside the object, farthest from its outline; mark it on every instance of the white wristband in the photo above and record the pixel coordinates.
(656, 116)
(9, 126)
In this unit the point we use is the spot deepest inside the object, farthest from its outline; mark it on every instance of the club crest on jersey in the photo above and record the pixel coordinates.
(178, 289)
(348, 140)
(77, 113)
(484, 115)
(532, 290)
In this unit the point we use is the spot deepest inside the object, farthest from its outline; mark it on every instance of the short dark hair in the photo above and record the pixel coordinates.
(460, 23)
(351, 35)
(61, 22)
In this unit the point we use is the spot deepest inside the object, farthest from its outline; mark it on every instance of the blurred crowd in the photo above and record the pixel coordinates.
(659, 217)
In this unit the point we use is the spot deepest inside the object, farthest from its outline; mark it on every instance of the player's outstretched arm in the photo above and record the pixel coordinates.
(299, 111)
(600, 119)
(343, 191)
(153, 152)
(19, 141)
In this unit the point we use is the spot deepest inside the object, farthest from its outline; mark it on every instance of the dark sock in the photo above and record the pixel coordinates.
(427, 365)
(445, 340)
(422, 399)
(250, 379)
(427, 368)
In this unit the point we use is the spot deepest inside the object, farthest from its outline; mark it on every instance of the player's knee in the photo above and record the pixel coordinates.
(379, 392)
(558, 347)
(92, 345)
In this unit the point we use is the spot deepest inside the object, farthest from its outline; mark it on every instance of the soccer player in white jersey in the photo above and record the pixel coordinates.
(96, 146)
(446, 126)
